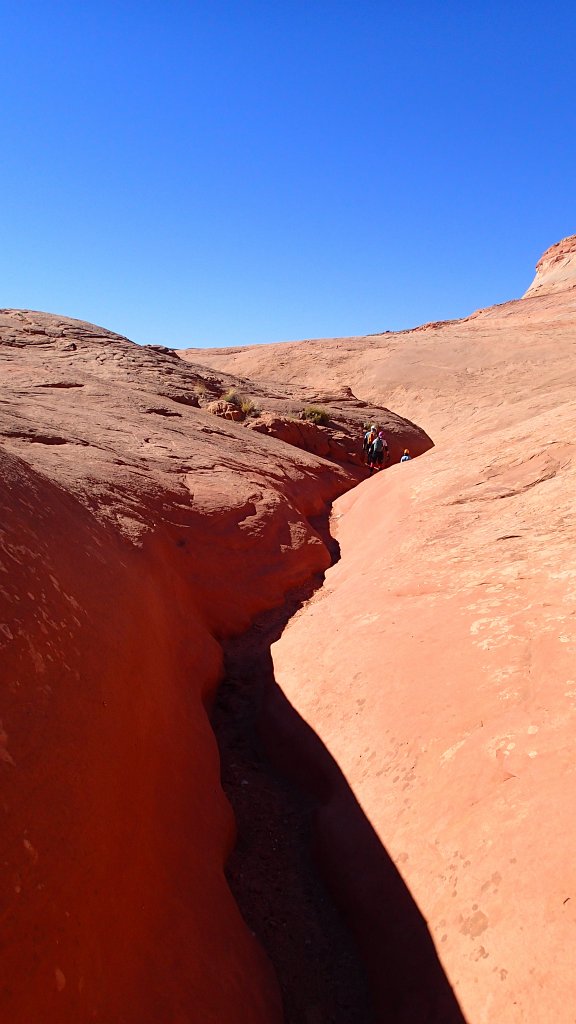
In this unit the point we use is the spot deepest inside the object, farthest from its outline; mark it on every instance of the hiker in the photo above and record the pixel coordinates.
(376, 452)
(365, 442)
(369, 438)
(406, 457)
(386, 453)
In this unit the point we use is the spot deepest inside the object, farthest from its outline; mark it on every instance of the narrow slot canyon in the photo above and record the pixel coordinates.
(116, 904)
(254, 774)
(272, 870)
(310, 876)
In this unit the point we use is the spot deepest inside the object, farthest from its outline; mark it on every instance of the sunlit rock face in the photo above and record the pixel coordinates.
(437, 664)
(556, 270)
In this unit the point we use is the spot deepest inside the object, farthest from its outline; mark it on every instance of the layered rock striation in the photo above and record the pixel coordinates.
(556, 269)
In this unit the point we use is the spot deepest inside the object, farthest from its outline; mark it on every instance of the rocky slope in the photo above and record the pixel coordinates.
(426, 698)
(437, 663)
(460, 376)
(137, 529)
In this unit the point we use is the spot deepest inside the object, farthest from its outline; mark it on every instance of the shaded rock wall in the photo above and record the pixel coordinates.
(341, 443)
(114, 826)
(129, 540)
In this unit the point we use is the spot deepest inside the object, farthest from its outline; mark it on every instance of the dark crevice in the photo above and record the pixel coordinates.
(310, 875)
(60, 384)
(163, 412)
(271, 871)
(43, 438)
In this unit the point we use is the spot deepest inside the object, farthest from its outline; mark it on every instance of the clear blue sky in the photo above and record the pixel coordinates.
(230, 171)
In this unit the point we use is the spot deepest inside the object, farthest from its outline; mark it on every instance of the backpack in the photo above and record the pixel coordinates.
(378, 444)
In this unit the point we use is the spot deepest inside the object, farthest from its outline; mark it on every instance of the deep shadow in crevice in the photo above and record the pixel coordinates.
(311, 877)
(407, 981)
(321, 524)
(271, 870)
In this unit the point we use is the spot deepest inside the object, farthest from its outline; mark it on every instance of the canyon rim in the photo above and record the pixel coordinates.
(140, 528)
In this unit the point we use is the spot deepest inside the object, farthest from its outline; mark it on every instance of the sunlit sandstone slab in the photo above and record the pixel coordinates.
(137, 528)
(437, 664)
(556, 270)
(451, 377)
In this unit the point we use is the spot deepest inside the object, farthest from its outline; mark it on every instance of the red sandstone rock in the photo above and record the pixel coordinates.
(226, 410)
(556, 270)
(135, 528)
(339, 441)
(112, 907)
(463, 375)
(437, 662)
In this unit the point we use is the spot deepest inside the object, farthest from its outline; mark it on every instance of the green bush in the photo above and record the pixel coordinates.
(246, 405)
(233, 398)
(317, 415)
(249, 408)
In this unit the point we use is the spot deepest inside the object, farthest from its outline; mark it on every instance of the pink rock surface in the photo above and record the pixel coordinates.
(556, 270)
(437, 663)
(457, 376)
(340, 441)
(226, 410)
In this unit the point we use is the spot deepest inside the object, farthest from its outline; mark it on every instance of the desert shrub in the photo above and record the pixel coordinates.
(248, 407)
(316, 414)
(232, 397)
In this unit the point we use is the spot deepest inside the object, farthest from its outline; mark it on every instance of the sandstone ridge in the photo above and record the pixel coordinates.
(444, 685)
(137, 530)
(556, 269)
(432, 673)
(446, 376)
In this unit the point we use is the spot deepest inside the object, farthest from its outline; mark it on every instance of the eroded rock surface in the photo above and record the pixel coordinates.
(135, 530)
(461, 377)
(556, 270)
(437, 663)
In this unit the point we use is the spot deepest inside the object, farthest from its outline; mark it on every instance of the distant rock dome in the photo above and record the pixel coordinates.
(556, 269)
